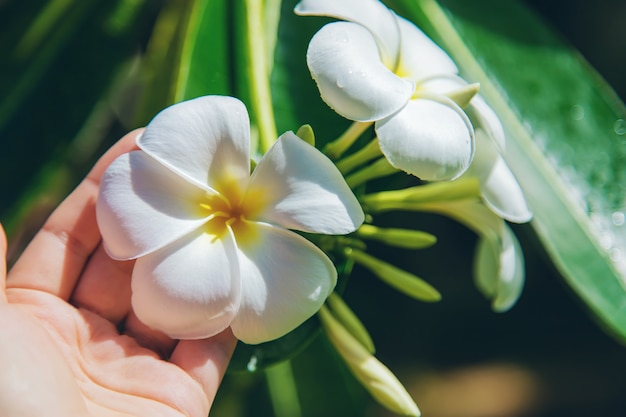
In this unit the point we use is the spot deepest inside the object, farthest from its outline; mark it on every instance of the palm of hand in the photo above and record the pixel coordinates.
(61, 350)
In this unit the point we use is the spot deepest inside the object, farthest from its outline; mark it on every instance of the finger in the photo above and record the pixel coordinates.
(3, 267)
(104, 287)
(206, 360)
(147, 337)
(54, 259)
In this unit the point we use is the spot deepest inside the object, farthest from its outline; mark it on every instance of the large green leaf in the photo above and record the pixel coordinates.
(63, 62)
(566, 137)
(189, 55)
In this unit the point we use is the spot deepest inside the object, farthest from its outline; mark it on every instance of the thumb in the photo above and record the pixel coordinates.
(3, 263)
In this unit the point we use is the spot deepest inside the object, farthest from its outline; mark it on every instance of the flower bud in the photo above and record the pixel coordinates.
(350, 321)
(400, 279)
(381, 383)
(305, 132)
(402, 238)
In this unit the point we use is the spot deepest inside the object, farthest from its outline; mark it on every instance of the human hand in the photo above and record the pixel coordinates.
(70, 344)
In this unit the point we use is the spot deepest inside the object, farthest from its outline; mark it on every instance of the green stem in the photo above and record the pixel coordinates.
(380, 168)
(415, 198)
(282, 389)
(360, 157)
(335, 149)
(258, 73)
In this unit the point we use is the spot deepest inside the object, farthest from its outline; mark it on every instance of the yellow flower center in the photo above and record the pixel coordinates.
(226, 213)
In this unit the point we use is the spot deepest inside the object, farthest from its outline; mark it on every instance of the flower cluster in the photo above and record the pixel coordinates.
(375, 66)
(220, 242)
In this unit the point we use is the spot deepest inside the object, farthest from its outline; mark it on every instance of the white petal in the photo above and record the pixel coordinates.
(442, 84)
(300, 188)
(190, 289)
(499, 269)
(503, 194)
(344, 61)
(480, 113)
(430, 139)
(499, 188)
(420, 57)
(371, 14)
(206, 139)
(285, 280)
(486, 119)
(143, 206)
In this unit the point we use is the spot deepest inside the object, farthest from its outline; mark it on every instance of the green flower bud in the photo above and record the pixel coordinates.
(305, 132)
(381, 383)
(402, 238)
(400, 279)
(350, 321)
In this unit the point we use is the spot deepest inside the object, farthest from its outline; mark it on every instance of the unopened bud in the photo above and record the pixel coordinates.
(402, 238)
(305, 132)
(399, 279)
(350, 321)
(381, 383)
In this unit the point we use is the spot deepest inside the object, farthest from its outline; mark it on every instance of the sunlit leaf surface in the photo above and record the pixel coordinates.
(566, 137)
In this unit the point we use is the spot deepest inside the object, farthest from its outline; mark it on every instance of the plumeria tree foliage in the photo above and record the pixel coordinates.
(419, 107)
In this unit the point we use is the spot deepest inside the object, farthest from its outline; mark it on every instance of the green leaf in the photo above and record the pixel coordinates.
(566, 137)
(296, 98)
(62, 63)
(189, 55)
(203, 66)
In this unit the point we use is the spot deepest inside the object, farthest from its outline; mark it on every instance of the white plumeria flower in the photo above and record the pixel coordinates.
(379, 67)
(499, 188)
(210, 240)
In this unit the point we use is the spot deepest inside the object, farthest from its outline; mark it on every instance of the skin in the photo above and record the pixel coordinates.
(70, 344)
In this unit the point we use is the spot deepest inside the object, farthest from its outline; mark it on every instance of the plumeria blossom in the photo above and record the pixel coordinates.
(211, 240)
(499, 188)
(376, 66)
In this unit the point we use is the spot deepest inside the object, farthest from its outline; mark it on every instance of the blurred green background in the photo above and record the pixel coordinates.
(73, 78)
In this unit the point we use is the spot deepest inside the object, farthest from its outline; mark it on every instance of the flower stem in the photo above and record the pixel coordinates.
(360, 157)
(378, 169)
(258, 73)
(282, 388)
(419, 197)
(336, 148)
